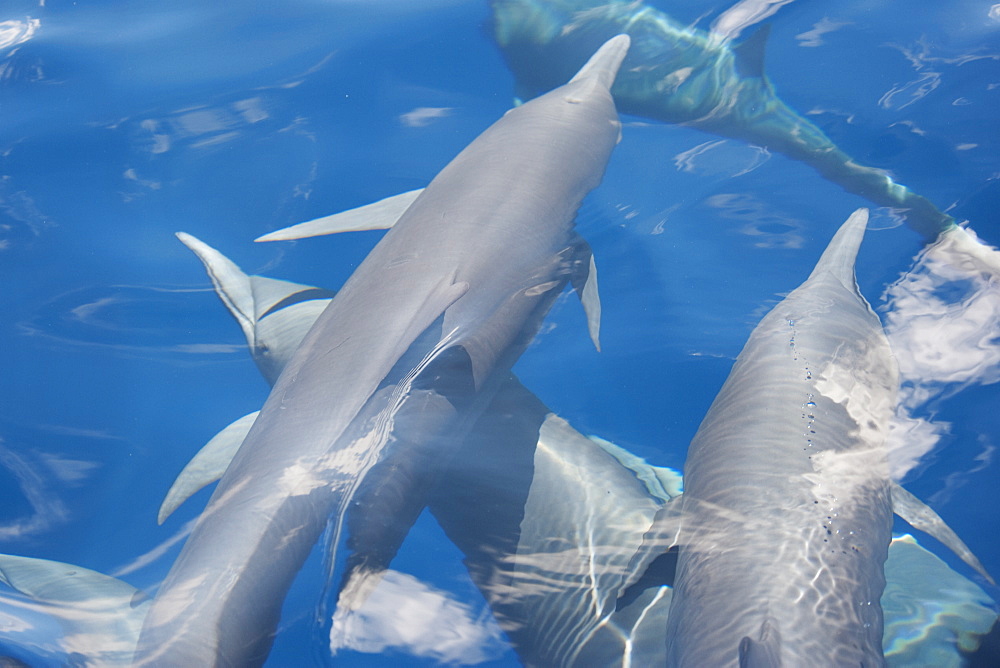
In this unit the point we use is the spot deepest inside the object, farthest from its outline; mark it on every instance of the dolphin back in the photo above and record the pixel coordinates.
(786, 510)
(375, 400)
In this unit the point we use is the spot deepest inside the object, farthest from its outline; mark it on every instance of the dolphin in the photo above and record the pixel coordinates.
(526, 500)
(930, 609)
(390, 374)
(679, 74)
(786, 517)
(546, 518)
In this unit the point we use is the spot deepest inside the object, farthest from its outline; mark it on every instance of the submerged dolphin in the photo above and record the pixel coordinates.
(546, 517)
(527, 501)
(787, 512)
(680, 74)
(404, 354)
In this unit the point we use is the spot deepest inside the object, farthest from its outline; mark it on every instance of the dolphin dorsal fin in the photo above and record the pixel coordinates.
(750, 52)
(380, 215)
(765, 651)
(920, 516)
(840, 254)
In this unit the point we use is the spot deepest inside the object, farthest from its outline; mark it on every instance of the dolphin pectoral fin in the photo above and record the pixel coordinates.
(380, 215)
(765, 652)
(100, 616)
(591, 301)
(750, 53)
(207, 466)
(922, 517)
(584, 280)
(57, 582)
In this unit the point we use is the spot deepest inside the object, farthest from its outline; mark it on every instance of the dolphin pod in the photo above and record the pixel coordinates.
(396, 394)
(408, 350)
(526, 501)
(783, 529)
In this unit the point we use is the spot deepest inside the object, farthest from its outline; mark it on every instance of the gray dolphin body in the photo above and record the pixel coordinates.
(432, 318)
(679, 74)
(547, 520)
(787, 510)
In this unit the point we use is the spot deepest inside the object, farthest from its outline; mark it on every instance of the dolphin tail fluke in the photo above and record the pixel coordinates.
(838, 258)
(603, 65)
(964, 247)
(765, 651)
(100, 615)
(380, 215)
(207, 466)
(231, 283)
(251, 299)
(933, 615)
(661, 537)
(922, 517)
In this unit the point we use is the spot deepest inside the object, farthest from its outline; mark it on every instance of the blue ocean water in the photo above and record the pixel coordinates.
(122, 123)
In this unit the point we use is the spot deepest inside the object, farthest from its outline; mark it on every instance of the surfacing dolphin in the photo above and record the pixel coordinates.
(679, 74)
(396, 365)
(546, 517)
(786, 518)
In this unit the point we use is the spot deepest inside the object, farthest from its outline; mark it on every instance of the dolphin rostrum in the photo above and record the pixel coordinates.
(402, 357)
